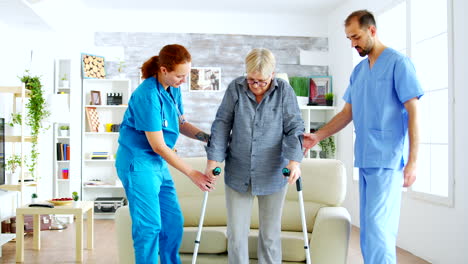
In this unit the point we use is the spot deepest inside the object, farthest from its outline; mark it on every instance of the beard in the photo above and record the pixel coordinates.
(365, 51)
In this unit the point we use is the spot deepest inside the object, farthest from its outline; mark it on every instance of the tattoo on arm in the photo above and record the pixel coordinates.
(202, 136)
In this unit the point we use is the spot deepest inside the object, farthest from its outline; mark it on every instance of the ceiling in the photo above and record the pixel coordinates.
(52, 14)
(303, 7)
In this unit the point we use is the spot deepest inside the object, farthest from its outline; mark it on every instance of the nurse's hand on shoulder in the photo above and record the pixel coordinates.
(409, 174)
(295, 171)
(201, 180)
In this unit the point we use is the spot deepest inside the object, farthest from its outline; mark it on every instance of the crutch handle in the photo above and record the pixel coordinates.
(287, 173)
(216, 171)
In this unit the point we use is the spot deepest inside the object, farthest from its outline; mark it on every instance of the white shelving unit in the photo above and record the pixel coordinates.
(16, 143)
(316, 116)
(62, 160)
(102, 172)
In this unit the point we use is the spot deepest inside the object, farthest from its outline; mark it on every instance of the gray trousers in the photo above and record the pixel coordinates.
(239, 209)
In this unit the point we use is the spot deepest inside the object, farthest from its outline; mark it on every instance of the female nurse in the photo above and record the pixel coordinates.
(148, 133)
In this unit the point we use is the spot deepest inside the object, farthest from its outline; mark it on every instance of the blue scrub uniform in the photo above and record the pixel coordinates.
(157, 222)
(377, 96)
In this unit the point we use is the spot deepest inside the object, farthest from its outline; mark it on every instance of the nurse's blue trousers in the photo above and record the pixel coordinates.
(380, 200)
(157, 221)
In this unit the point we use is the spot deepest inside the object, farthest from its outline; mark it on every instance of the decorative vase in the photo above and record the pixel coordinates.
(329, 102)
(63, 133)
(65, 84)
(12, 178)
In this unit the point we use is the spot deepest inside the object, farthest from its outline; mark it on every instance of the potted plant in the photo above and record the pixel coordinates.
(328, 148)
(11, 165)
(75, 198)
(64, 131)
(37, 111)
(65, 83)
(34, 198)
(14, 126)
(329, 98)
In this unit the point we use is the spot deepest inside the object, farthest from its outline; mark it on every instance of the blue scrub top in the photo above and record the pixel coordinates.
(150, 108)
(380, 119)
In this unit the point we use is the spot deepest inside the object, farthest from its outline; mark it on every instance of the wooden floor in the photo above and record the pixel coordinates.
(59, 247)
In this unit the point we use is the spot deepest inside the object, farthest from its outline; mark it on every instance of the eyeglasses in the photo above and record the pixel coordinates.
(259, 83)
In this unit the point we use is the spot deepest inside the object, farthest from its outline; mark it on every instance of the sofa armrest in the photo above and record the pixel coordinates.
(123, 226)
(330, 236)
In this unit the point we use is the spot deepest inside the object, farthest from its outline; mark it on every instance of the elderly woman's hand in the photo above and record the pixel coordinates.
(210, 165)
(295, 171)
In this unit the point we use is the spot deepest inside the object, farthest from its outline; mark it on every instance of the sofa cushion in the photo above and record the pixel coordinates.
(292, 245)
(191, 197)
(291, 218)
(213, 240)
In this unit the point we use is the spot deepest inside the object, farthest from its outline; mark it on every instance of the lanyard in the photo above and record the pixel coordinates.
(179, 114)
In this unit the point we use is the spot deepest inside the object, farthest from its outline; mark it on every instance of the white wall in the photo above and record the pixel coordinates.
(436, 233)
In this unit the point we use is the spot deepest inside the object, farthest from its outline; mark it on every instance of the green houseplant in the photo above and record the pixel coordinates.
(36, 112)
(15, 119)
(11, 165)
(34, 198)
(329, 98)
(75, 198)
(64, 80)
(64, 130)
(328, 148)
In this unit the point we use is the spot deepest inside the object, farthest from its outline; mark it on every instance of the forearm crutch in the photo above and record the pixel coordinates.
(216, 172)
(286, 173)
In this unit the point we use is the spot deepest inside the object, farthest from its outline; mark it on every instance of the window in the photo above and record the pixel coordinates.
(420, 29)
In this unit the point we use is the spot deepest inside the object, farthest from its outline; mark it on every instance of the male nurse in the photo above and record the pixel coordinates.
(382, 101)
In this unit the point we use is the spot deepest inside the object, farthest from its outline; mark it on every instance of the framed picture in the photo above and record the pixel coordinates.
(95, 98)
(319, 86)
(203, 79)
(92, 66)
(93, 119)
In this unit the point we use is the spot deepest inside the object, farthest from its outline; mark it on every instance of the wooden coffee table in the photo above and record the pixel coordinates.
(78, 210)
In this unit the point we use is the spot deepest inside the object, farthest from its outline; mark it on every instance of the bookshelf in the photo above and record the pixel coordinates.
(314, 117)
(60, 108)
(99, 143)
(15, 145)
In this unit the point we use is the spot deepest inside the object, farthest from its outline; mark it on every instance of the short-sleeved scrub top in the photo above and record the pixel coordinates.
(377, 96)
(151, 108)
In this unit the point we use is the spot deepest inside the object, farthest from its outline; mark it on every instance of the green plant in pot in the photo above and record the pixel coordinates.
(64, 80)
(64, 130)
(12, 164)
(36, 112)
(75, 196)
(329, 98)
(34, 198)
(15, 119)
(328, 148)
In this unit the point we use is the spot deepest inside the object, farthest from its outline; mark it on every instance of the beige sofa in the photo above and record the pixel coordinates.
(328, 224)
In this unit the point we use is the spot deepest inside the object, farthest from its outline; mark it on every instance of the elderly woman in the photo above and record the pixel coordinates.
(258, 131)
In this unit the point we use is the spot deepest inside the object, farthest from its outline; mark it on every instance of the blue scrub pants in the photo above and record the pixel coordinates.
(380, 200)
(157, 221)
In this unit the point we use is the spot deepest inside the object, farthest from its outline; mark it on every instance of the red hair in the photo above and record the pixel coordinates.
(169, 57)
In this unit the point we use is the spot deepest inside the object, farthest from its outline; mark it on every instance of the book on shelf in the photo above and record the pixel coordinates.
(63, 151)
(99, 155)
